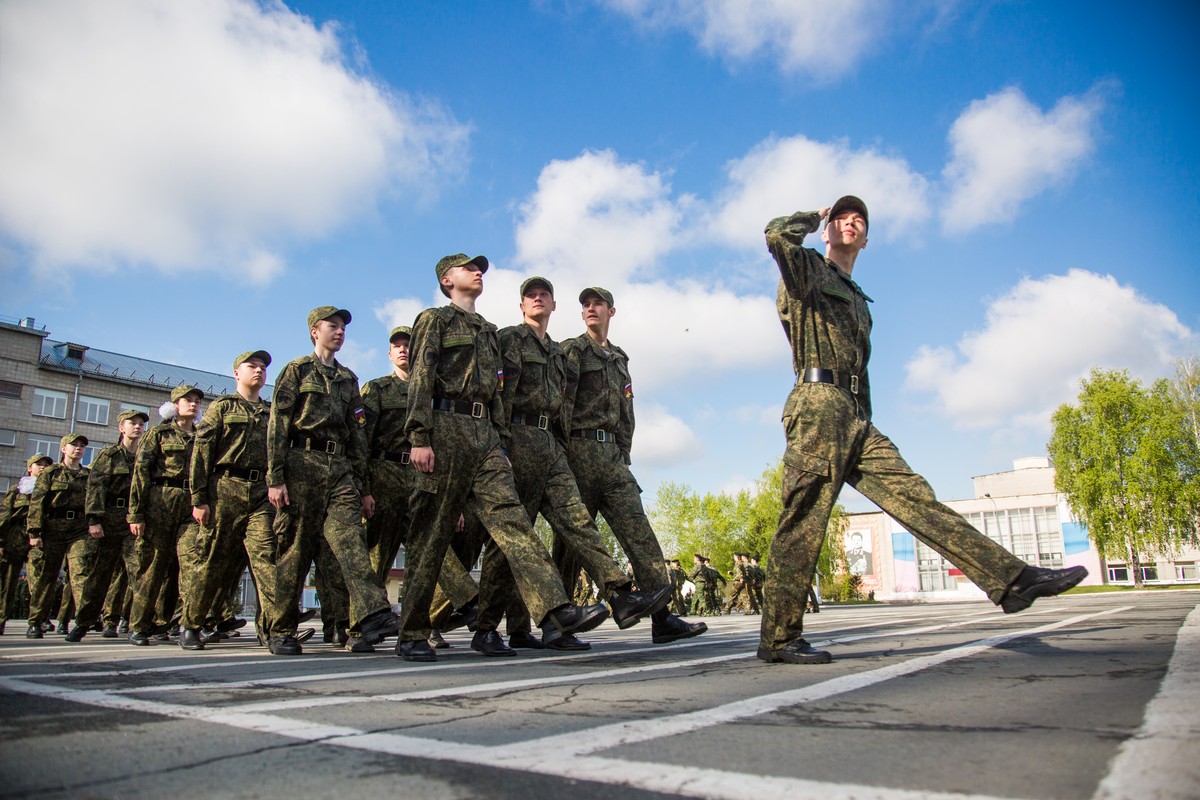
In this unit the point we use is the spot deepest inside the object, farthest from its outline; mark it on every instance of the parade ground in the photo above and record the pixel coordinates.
(1083, 696)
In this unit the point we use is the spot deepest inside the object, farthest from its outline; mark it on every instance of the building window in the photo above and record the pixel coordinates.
(5, 484)
(1186, 571)
(42, 446)
(1150, 574)
(91, 451)
(1118, 573)
(135, 407)
(8, 438)
(92, 409)
(10, 389)
(49, 403)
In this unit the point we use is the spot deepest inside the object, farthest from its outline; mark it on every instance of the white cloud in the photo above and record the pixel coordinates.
(662, 439)
(399, 311)
(823, 42)
(781, 176)
(1005, 150)
(1038, 341)
(359, 359)
(195, 135)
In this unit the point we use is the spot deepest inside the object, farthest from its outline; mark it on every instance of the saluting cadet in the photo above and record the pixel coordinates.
(14, 535)
(316, 466)
(57, 531)
(454, 410)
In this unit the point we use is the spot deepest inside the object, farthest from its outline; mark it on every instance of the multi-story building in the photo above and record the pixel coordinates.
(1021, 510)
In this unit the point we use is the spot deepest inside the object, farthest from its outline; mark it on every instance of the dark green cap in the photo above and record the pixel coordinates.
(457, 260)
(325, 312)
(36, 458)
(848, 203)
(183, 390)
(71, 438)
(260, 354)
(400, 330)
(132, 413)
(537, 280)
(603, 294)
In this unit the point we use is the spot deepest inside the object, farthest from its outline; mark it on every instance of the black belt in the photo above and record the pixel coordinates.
(476, 410)
(317, 445)
(539, 421)
(400, 457)
(593, 435)
(68, 513)
(252, 475)
(838, 379)
(178, 483)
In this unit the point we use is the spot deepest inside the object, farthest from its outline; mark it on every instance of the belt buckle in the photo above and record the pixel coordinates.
(478, 410)
(543, 422)
(853, 384)
(254, 476)
(120, 502)
(405, 458)
(331, 448)
(601, 435)
(70, 515)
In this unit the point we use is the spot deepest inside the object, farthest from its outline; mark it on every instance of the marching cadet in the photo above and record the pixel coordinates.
(678, 578)
(160, 514)
(600, 424)
(455, 409)
(316, 466)
(699, 577)
(714, 577)
(535, 439)
(227, 477)
(58, 531)
(757, 578)
(109, 478)
(14, 536)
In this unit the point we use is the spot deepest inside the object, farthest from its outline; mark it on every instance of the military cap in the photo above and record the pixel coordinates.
(537, 280)
(603, 294)
(457, 260)
(132, 413)
(400, 330)
(263, 355)
(71, 438)
(325, 312)
(183, 390)
(848, 203)
(36, 458)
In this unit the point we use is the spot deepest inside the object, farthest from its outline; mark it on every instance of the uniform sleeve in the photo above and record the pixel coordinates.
(97, 488)
(283, 407)
(204, 451)
(6, 514)
(37, 501)
(143, 474)
(785, 241)
(570, 384)
(356, 442)
(625, 429)
(372, 403)
(427, 351)
(511, 357)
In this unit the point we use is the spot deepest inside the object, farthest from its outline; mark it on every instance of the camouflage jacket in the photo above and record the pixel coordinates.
(59, 490)
(109, 478)
(824, 313)
(232, 433)
(699, 576)
(14, 513)
(535, 373)
(456, 357)
(599, 390)
(312, 401)
(385, 401)
(164, 453)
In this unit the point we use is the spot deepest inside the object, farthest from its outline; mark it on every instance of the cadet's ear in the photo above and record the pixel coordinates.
(825, 233)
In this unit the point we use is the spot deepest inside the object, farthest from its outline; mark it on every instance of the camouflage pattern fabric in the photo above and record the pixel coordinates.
(385, 402)
(109, 479)
(831, 441)
(59, 492)
(14, 513)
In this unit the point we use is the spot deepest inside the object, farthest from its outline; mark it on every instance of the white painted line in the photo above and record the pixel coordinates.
(1162, 760)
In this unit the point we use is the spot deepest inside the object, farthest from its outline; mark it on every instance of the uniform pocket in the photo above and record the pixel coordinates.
(806, 462)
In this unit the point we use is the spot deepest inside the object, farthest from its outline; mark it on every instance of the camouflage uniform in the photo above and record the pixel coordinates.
(56, 517)
(711, 597)
(14, 513)
(701, 606)
(317, 448)
(228, 473)
(109, 478)
(535, 439)
(677, 578)
(831, 440)
(757, 578)
(741, 586)
(600, 423)
(455, 408)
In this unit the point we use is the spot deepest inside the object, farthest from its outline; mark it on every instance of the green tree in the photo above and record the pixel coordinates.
(1126, 457)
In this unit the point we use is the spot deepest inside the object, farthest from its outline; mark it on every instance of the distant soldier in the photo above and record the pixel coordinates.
(14, 536)
(316, 465)
(757, 578)
(701, 605)
(58, 532)
(715, 596)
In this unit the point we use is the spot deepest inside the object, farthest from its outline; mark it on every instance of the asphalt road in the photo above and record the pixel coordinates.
(1089, 696)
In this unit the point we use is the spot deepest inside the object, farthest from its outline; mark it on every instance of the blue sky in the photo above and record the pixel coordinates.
(184, 181)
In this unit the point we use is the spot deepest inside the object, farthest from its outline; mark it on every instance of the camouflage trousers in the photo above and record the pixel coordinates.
(678, 605)
(44, 564)
(829, 443)
(325, 507)
(701, 606)
(116, 549)
(455, 586)
(239, 532)
(470, 466)
(168, 519)
(10, 577)
(606, 486)
(547, 486)
(391, 484)
(742, 598)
